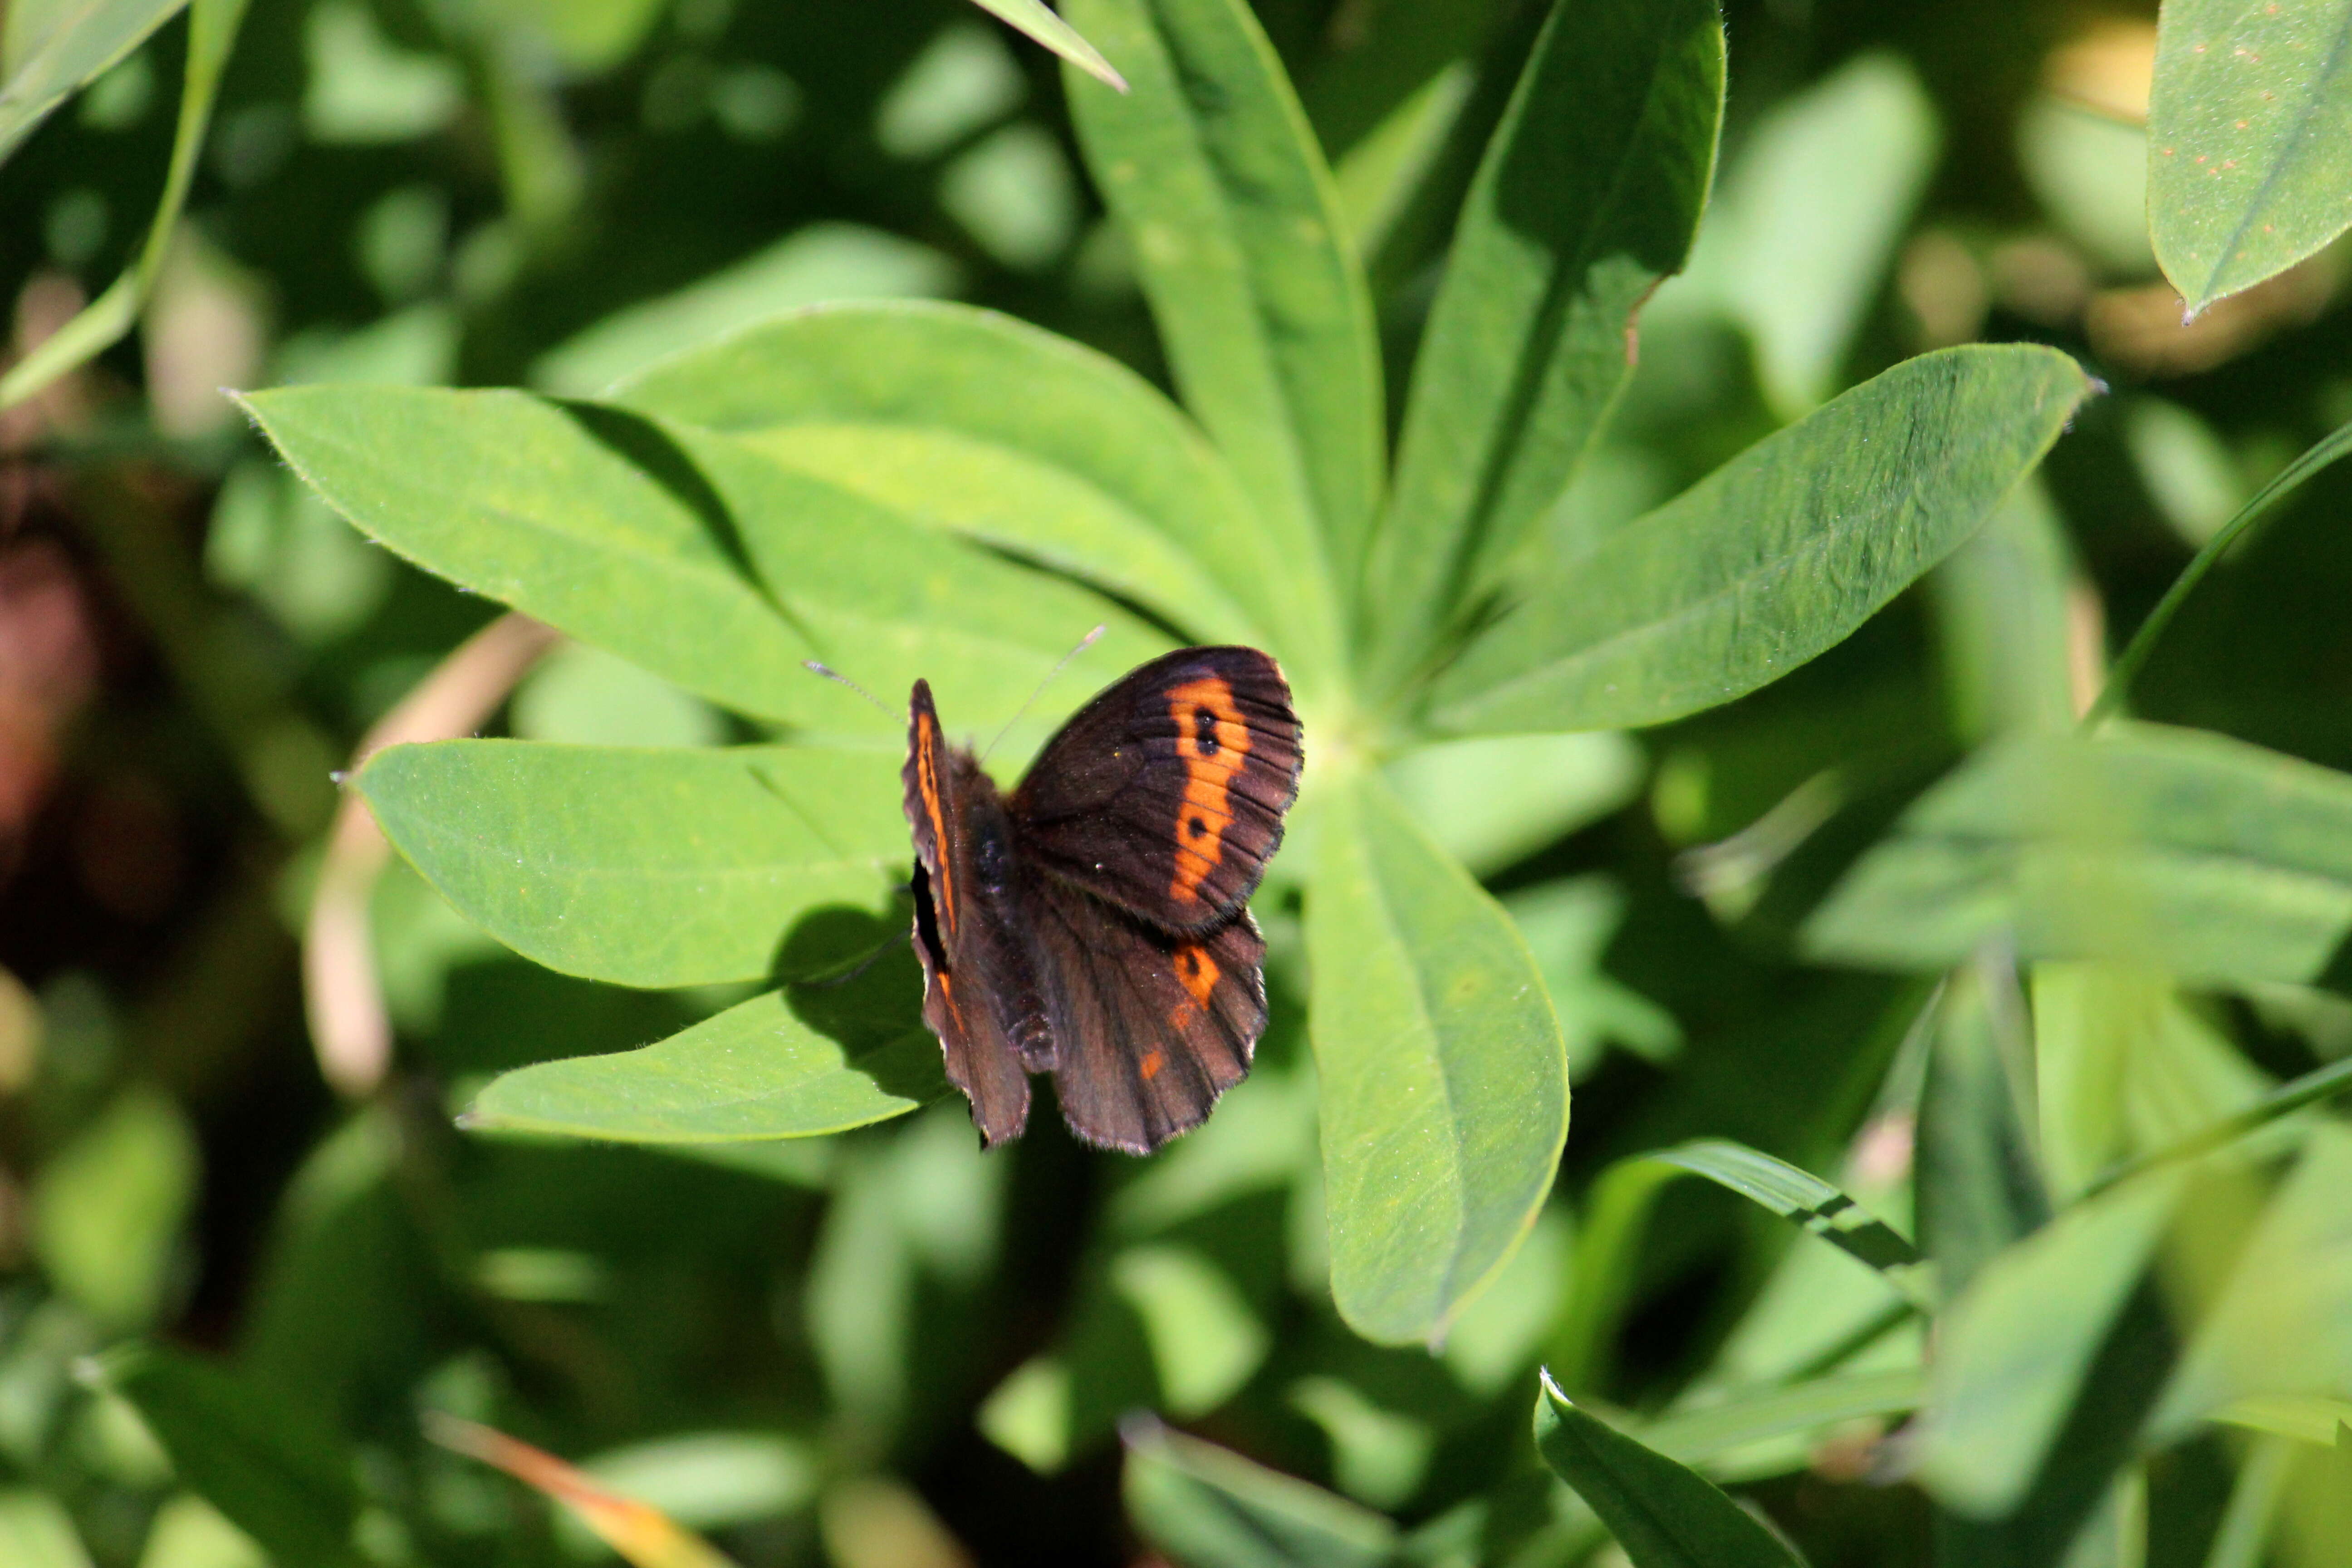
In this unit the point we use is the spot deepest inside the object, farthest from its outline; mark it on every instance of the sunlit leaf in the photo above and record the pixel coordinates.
(1663, 1514)
(1977, 1170)
(2013, 1351)
(2250, 139)
(1209, 1507)
(1493, 800)
(2284, 1324)
(1589, 194)
(821, 263)
(648, 867)
(108, 1207)
(1772, 560)
(2306, 1417)
(189, 1532)
(692, 555)
(48, 50)
(2002, 619)
(274, 1473)
(1213, 172)
(1443, 1077)
(1797, 245)
(786, 1065)
(1205, 1342)
(1116, 452)
(2181, 849)
(1705, 1435)
(63, 56)
(35, 1532)
(2123, 1066)
(1033, 18)
(1617, 1214)
(1803, 1199)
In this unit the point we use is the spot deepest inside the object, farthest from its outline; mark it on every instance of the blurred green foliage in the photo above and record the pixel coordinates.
(1967, 1018)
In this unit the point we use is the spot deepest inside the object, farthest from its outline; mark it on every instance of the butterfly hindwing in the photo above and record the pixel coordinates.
(1149, 1027)
(1165, 795)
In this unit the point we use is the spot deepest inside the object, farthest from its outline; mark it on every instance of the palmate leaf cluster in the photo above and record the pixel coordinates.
(2082, 1255)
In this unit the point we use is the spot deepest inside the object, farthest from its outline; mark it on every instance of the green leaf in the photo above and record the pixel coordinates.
(1663, 1514)
(1209, 1507)
(284, 1482)
(1033, 18)
(1497, 799)
(1443, 1077)
(1773, 559)
(1213, 172)
(2017, 1349)
(2001, 621)
(2248, 140)
(2320, 1083)
(49, 50)
(2305, 1417)
(2283, 1325)
(1008, 500)
(684, 866)
(521, 498)
(1978, 1174)
(2124, 1067)
(821, 263)
(1205, 1342)
(2181, 849)
(796, 1064)
(689, 553)
(1705, 1434)
(64, 58)
(35, 1532)
(109, 1207)
(2244, 1531)
(1100, 430)
(1589, 194)
(1797, 241)
(1608, 1243)
(1804, 1200)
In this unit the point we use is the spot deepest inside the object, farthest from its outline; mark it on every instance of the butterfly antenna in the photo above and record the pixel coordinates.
(813, 668)
(1085, 643)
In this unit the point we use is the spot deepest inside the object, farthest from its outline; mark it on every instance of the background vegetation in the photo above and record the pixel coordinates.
(1767, 733)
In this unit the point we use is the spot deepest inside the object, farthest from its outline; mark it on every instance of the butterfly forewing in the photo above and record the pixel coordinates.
(969, 959)
(1165, 795)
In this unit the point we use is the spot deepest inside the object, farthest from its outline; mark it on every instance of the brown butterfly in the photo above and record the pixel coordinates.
(1095, 924)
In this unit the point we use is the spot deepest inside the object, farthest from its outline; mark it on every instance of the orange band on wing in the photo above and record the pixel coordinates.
(1153, 1062)
(1198, 972)
(1215, 744)
(926, 780)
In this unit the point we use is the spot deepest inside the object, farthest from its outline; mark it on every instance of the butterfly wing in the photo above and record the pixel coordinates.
(1165, 795)
(1149, 1027)
(958, 934)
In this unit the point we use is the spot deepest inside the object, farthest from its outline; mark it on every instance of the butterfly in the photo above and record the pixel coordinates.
(1095, 924)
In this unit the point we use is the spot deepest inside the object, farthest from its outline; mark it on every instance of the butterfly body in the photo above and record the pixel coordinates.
(1095, 924)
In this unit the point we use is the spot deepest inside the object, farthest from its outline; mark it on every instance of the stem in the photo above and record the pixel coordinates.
(2287, 1098)
(2143, 643)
